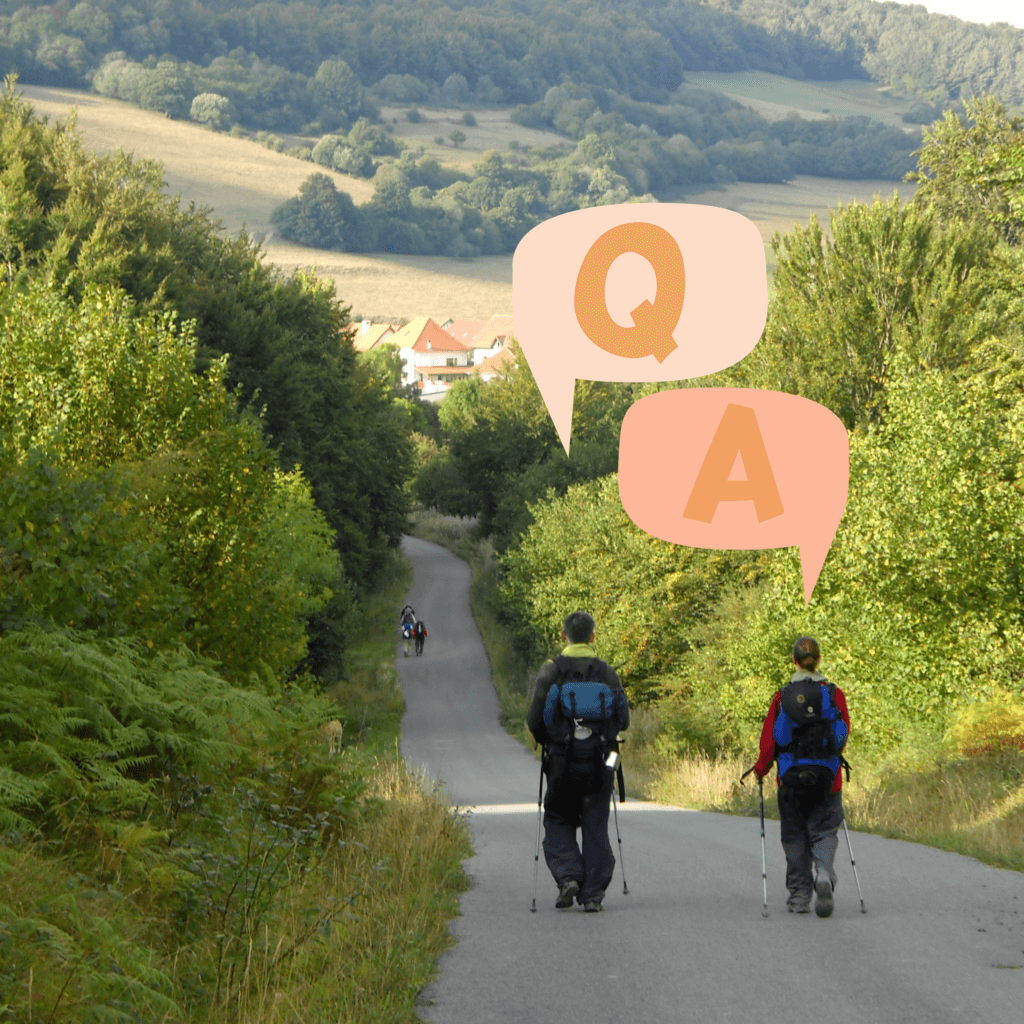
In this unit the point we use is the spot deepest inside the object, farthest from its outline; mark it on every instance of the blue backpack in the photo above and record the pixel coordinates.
(579, 710)
(809, 736)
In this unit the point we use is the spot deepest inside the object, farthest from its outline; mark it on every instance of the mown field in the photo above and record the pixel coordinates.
(242, 182)
(774, 97)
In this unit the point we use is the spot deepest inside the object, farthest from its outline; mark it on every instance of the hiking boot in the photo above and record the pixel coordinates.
(823, 890)
(592, 907)
(567, 894)
(799, 905)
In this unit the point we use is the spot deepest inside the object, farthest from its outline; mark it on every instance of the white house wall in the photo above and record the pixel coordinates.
(441, 358)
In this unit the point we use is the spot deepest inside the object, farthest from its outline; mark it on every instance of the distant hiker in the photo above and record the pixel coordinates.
(577, 712)
(805, 730)
(419, 634)
(408, 624)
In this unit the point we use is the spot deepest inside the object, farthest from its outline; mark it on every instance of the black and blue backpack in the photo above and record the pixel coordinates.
(809, 736)
(581, 710)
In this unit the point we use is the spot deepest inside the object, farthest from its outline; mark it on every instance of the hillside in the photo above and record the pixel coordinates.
(243, 182)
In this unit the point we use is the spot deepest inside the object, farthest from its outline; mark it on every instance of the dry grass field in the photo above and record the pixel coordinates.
(775, 98)
(242, 182)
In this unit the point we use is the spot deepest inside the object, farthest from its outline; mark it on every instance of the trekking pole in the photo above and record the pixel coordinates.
(625, 888)
(536, 856)
(853, 864)
(764, 869)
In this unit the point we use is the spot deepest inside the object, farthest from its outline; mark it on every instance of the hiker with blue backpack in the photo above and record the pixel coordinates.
(804, 732)
(407, 626)
(578, 710)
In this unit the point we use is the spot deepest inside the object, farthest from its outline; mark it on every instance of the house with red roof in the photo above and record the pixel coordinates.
(433, 358)
(463, 330)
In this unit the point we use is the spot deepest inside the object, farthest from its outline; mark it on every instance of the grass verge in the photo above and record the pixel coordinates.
(371, 694)
(972, 805)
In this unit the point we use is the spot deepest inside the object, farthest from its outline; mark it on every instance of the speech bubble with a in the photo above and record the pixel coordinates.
(736, 468)
(636, 292)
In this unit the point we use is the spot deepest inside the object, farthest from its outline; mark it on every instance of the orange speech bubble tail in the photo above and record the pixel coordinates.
(559, 393)
(812, 560)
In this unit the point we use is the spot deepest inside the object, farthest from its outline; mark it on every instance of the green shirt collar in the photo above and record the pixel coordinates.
(579, 651)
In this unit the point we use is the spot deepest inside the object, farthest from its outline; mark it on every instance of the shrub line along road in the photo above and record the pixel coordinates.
(942, 940)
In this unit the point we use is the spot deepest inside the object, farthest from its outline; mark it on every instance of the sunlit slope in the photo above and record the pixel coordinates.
(243, 182)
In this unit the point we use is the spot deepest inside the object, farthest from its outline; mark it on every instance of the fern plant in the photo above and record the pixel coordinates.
(86, 724)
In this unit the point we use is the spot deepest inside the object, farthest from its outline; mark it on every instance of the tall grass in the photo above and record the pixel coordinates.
(357, 939)
(352, 935)
(973, 805)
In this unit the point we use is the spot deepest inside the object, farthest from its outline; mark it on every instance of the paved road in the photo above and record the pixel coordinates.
(942, 940)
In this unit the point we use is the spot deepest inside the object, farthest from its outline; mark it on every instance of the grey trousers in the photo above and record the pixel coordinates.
(578, 798)
(810, 828)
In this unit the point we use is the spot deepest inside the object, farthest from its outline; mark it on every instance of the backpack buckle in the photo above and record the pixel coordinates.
(581, 731)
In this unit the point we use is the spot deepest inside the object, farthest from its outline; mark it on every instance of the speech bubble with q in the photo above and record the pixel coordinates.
(636, 292)
(736, 468)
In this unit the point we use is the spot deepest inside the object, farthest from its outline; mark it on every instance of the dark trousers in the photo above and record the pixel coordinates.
(810, 828)
(578, 797)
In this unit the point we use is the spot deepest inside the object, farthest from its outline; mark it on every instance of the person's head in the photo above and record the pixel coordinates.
(806, 653)
(578, 628)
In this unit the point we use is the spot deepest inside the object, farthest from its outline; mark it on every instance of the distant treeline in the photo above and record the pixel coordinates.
(504, 51)
(501, 51)
(703, 137)
(735, 142)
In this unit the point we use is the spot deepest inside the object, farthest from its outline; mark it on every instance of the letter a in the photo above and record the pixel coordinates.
(737, 433)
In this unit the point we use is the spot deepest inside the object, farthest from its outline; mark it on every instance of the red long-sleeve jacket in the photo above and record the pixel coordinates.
(764, 762)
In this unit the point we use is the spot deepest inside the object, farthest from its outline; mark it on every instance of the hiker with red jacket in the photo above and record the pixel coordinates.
(805, 730)
(578, 710)
(419, 633)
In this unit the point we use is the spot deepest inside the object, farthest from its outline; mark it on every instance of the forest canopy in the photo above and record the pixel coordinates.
(501, 51)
